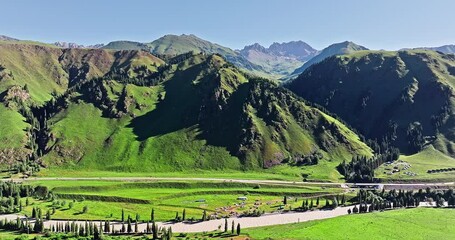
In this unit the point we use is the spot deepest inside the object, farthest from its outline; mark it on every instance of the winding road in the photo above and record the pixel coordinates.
(212, 225)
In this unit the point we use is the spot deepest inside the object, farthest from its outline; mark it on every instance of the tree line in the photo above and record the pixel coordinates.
(370, 201)
(361, 169)
(11, 194)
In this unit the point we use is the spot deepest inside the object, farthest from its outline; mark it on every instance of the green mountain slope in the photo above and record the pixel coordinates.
(405, 97)
(204, 114)
(332, 50)
(128, 111)
(125, 45)
(47, 70)
(429, 159)
(9, 40)
(174, 45)
(31, 74)
(13, 136)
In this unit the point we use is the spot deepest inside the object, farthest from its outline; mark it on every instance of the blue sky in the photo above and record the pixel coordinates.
(380, 24)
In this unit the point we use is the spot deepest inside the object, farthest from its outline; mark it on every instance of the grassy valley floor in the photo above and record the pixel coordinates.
(105, 200)
(325, 171)
(418, 223)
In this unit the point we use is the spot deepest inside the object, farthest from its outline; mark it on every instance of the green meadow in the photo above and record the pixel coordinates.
(418, 223)
(397, 224)
(107, 199)
(420, 163)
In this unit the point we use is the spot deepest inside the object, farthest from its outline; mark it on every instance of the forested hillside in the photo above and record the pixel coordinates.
(130, 111)
(405, 98)
(35, 75)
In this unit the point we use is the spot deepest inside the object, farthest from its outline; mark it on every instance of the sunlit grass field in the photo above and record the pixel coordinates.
(418, 223)
(106, 199)
(428, 159)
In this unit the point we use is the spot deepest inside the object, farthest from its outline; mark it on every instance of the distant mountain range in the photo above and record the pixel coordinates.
(279, 58)
(75, 45)
(174, 45)
(282, 61)
(277, 61)
(295, 49)
(125, 45)
(443, 49)
(332, 50)
(6, 38)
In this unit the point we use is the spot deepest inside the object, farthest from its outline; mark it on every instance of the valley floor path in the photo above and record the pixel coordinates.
(212, 225)
(252, 181)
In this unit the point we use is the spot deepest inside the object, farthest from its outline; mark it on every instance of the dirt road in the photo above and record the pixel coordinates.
(245, 222)
(251, 181)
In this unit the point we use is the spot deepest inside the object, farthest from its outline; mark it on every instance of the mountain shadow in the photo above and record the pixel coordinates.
(177, 109)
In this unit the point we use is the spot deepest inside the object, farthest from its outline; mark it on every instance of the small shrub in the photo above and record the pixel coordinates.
(85, 209)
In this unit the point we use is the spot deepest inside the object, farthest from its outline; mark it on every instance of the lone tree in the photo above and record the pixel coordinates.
(225, 225)
(107, 226)
(285, 200)
(152, 215)
(147, 229)
(335, 202)
(96, 234)
(204, 216)
(123, 215)
(155, 230)
(129, 228)
(232, 227)
(238, 229)
(355, 209)
(169, 233)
